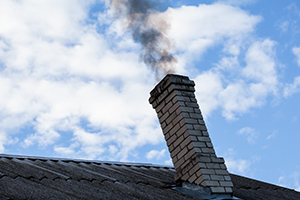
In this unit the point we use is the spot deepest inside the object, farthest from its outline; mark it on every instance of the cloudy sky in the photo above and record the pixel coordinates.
(73, 82)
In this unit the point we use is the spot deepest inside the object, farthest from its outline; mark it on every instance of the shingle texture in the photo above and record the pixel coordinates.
(251, 189)
(27, 177)
(43, 178)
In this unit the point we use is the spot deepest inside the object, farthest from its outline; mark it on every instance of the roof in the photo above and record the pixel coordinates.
(28, 177)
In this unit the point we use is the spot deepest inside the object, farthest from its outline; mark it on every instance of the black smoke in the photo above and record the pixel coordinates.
(149, 31)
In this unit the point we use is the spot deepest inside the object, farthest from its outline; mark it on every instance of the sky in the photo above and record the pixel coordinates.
(74, 82)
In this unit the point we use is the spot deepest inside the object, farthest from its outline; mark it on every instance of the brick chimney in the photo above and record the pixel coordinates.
(186, 134)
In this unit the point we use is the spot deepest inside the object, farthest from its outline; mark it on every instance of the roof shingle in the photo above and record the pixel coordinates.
(28, 177)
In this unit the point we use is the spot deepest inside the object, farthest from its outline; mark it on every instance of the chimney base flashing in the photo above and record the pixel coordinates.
(202, 171)
(202, 192)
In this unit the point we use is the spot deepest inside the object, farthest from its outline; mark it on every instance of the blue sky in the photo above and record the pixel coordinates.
(73, 84)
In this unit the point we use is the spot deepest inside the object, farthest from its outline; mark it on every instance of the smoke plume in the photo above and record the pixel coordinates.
(149, 29)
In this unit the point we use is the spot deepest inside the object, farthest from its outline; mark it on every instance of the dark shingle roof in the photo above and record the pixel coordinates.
(251, 189)
(27, 177)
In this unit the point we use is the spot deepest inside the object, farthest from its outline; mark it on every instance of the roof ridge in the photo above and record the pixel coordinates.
(12, 156)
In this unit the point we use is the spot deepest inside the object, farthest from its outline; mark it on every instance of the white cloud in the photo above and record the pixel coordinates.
(207, 25)
(169, 162)
(250, 133)
(237, 2)
(261, 66)
(6, 140)
(60, 76)
(195, 29)
(296, 51)
(154, 154)
(292, 88)
(58, 72)
(66, 151)
(239, 166)
(290, 181)
(251, 86)
(257, 79)
(208, 87)
(283, 25)
(274, 133)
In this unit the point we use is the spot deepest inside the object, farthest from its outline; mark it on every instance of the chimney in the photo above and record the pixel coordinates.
(187, 138)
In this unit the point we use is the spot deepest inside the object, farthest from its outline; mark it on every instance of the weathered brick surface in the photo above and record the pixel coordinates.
(217, 177)
(226, 183)
(228, 189)
(192, 178)
(189, 155)
(217, 160)
(194, 169)
(186, 143)
(213, 165)
(218, 190)
(199, 180)
(186, 134)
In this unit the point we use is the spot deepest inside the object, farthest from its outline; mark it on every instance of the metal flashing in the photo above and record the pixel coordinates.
(202, 192)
